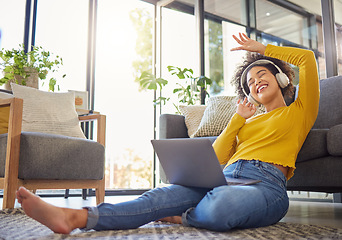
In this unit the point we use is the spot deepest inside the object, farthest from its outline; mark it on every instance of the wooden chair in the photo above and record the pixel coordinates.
(11, 181)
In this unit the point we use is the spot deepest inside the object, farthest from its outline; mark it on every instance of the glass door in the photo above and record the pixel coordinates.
(123, 51)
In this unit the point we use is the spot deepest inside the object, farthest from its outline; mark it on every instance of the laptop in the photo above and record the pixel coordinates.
(193, 162)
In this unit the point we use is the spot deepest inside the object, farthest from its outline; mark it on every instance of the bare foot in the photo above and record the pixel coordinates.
(59, 220)
(173, 219)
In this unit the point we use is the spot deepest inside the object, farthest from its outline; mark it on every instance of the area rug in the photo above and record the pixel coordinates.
(14, 224)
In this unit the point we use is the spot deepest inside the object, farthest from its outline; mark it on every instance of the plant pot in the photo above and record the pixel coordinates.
(31, 79)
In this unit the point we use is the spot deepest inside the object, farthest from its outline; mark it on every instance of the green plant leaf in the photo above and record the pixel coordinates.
(149, 81)
(160, 101)
(202, 81)
(8, 69)
(161, 82)
(3, 80)
(177, 90)
(9, 75)
(52, 84)
(180, 73)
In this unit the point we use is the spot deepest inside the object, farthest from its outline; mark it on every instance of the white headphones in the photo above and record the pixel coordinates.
(281, 77)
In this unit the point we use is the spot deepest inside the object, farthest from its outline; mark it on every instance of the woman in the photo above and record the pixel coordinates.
(263, 147)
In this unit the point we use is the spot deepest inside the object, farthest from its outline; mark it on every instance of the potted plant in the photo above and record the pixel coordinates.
(188, 89)
(26, 68)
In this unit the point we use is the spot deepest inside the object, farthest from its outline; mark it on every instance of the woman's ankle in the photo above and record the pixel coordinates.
(76, 218)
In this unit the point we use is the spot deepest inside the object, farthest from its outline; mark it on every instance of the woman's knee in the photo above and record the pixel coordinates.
(224, 208)
(213, 211)
(208, 218)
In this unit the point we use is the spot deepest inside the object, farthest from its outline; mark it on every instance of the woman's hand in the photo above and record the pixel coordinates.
(248, 44)
(245, 109)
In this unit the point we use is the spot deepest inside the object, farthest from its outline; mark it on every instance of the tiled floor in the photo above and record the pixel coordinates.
(305, 212)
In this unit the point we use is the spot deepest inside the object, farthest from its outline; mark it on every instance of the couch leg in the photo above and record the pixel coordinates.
(84, 194)
(337, 197)
(66, 194)
(10, 189)
(100, 192)
(8, 200)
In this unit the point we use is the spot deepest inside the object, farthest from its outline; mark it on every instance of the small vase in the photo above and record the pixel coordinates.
(31, 80)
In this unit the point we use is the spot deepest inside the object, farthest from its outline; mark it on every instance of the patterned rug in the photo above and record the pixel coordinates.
(14, 224)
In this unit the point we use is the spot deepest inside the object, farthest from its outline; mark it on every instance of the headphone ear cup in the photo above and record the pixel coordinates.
(282, 79)
(252, 100)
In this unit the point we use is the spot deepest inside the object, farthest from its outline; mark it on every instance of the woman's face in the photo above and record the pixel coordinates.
(262, 84)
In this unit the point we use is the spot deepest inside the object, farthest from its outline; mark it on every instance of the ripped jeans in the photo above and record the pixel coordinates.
(218, 209)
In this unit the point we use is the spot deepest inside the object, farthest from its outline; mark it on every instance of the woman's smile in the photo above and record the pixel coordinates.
(262, 88)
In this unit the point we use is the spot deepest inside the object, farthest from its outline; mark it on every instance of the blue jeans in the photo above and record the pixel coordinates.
(218, 209)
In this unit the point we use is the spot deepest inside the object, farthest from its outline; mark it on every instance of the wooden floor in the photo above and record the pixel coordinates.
(305, 212)
(316, 213)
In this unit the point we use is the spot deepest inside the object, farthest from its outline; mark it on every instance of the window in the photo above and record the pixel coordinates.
(281, 22)
(179, 49)
(320, 51)
(11, 26)
(315, 31)
(338, 27)
(288, 28)
(234, 10)
(230, 58)
(62, 28)
(214, 55)
(129, 153)
(220, 61)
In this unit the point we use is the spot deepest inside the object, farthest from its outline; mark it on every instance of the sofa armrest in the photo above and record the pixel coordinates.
(172, 126)
(101, 125)
(315, 145)
(334, 140)
(13, 149)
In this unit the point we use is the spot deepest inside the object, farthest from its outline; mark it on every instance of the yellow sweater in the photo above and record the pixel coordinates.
(277, 136)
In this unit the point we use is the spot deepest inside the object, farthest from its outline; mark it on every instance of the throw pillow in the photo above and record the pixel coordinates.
(48, 112)
(193, 115)
(218, 113)
(216, 116)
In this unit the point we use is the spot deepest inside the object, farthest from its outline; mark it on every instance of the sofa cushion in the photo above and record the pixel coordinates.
(216, 116)
(49, 156)
(48, 112)
(193, 115)
(330, 103)
(315, 145)
(334, 140)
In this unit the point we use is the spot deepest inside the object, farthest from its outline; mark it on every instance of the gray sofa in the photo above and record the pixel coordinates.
(319, 162)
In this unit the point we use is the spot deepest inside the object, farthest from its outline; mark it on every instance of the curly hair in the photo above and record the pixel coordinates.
(252, 57)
